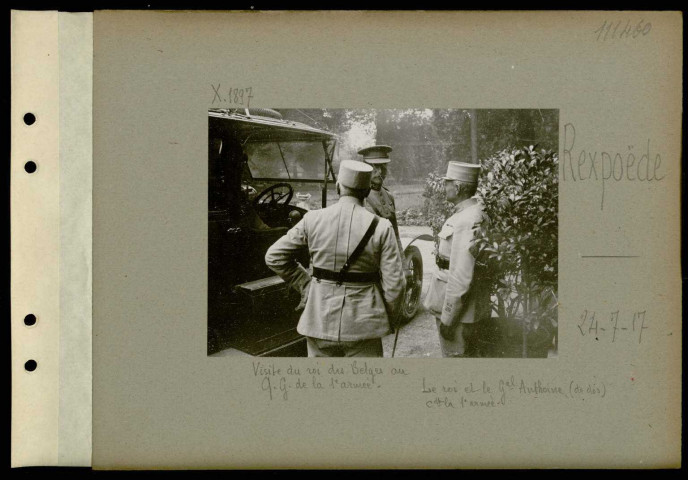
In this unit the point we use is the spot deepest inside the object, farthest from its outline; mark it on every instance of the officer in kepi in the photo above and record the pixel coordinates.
(456, 297)
(352, 297)
(380, 201)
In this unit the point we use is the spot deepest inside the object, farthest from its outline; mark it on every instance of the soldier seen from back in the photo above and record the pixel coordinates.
(349, 303)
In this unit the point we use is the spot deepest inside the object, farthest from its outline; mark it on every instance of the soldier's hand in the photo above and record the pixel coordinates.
(447, 331)
(304, 297)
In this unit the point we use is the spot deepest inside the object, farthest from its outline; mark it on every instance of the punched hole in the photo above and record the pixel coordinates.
(30, 166)
(30, 320)
(30, 365)
(29, 119)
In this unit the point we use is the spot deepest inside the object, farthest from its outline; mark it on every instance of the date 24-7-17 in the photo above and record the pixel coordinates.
(589, 326)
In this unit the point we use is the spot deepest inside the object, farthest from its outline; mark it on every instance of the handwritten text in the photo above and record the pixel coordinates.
(233, 96)
(633, 163)
(612, 325)
(620, 30)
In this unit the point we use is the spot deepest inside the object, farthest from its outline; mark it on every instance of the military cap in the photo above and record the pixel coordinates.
(463, 172)
(376, 154)
(354, 174)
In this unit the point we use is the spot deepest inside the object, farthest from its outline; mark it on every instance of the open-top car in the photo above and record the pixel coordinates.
(265, 173)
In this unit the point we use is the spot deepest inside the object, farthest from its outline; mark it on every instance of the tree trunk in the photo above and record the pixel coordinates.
(474, 135)
(524, 352)
(526, 315)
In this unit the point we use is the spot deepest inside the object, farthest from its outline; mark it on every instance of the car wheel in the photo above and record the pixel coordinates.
(413, 267)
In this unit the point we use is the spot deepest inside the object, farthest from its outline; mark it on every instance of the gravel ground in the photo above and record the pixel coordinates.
(419, 338)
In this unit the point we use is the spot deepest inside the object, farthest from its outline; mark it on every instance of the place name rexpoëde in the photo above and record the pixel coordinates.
(632, 163)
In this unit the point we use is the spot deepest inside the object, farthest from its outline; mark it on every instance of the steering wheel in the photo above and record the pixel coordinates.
(278, 194)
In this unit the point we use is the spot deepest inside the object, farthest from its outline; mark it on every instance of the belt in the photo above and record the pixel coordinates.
(348, 277)
(442, 263)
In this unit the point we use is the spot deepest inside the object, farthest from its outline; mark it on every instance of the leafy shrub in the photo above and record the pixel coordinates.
(517, 247)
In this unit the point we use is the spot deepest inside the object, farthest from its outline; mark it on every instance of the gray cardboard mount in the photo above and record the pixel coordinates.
(160, 402)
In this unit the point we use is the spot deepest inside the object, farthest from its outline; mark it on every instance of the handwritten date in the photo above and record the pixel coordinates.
(595, 326)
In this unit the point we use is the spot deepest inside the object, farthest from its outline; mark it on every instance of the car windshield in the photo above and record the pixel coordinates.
(286, 160)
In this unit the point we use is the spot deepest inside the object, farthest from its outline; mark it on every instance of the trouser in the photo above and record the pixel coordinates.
(318, 347)
(464, 343)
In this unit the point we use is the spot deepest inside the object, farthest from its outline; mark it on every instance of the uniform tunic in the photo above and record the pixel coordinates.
(381, 203)
(350, 311)
(454, 296)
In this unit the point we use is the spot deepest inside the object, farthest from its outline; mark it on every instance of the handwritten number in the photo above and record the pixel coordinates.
(637, 29)
(615, 320)
(627, 31)
(234, 95)
(584, 317)
(642, 327)
(249, 96)
(637, 324)
(593, 322)
(600, 30)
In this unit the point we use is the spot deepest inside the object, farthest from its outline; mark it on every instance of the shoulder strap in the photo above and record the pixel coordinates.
(361, 245)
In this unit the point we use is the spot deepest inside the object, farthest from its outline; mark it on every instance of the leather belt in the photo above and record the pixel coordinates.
(442, 263)
(348, 277)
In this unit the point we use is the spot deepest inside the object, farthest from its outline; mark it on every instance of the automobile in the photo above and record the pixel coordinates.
(264, 174)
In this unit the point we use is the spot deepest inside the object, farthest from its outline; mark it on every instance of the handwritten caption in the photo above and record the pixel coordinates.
(609, 30)
(630, 164)
(278, 382)
(613, 325)
(484, 394)
(232, 95)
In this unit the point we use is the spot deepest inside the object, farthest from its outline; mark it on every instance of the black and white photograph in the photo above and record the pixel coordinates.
(427, 233)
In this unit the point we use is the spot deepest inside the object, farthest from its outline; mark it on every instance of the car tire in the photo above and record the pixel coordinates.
(414, 284)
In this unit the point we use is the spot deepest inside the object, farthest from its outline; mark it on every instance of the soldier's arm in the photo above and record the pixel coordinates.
(391, 269)
(460, 273)
(281, 257)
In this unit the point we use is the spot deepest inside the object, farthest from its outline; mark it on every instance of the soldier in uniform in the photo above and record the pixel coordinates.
(380, 200)
(455, 297)
(356, 285)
